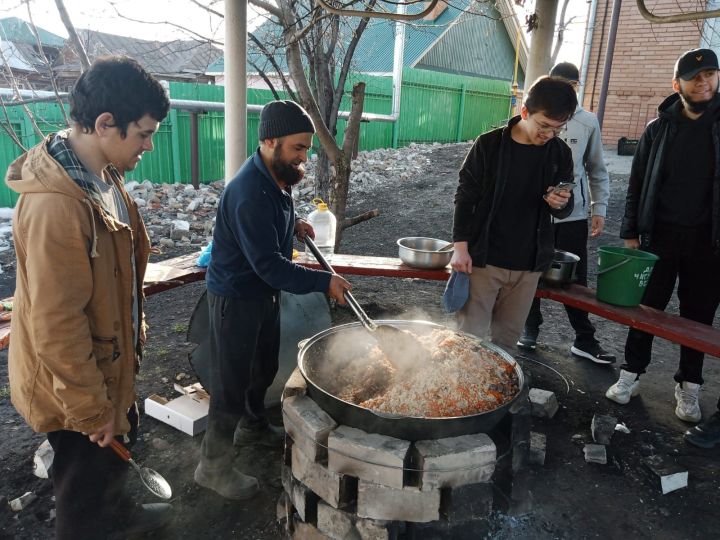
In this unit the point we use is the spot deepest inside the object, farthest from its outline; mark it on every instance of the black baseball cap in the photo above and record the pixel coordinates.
(566, 70)
(693, 62)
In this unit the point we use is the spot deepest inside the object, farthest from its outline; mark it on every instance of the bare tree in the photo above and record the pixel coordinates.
(46, 61)
(561, 27)
(318, 63)
(74, 39)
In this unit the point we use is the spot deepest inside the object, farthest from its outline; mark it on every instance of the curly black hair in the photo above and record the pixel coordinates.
(553, 96)
(118, 85)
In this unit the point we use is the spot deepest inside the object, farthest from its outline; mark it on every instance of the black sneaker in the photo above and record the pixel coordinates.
(594, 352)
(705, 435)
(527, 341)
(143, 519)
(268, 435)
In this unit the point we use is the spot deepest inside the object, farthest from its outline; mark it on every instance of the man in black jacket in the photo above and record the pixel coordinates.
(672, 209)
(502, 229)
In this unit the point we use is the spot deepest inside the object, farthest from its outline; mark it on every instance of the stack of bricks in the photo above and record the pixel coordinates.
(341, 482)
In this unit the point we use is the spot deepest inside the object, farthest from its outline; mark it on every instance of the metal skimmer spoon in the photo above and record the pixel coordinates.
(152, 479)
(401, 347)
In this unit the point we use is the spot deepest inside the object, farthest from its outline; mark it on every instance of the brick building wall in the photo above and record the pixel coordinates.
(643, 62)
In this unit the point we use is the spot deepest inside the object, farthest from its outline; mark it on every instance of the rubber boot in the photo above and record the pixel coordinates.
(216, 471)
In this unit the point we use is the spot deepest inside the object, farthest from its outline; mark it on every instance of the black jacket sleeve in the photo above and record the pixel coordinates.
(469, 192)
(638, 174)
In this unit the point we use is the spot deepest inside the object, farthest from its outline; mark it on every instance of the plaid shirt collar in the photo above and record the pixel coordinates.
(60, 151)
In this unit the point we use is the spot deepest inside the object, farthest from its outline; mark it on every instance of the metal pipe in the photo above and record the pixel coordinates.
(235, 86)
(194, 151)
(398, 59)
(608, 60)
(592, 12)
(179, 104)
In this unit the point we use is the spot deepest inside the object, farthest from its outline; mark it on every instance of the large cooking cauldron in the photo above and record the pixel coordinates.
(318, 360)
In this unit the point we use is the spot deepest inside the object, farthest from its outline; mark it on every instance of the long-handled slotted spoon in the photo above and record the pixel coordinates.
(398, 345)
(151, 479)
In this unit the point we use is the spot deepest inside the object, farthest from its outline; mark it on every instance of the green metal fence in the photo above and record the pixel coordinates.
(434, 107)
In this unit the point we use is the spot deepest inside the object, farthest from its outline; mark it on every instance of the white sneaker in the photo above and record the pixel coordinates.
(627, 386)
(688, 404)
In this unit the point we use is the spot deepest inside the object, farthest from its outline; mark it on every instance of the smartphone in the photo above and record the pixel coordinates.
(564, 186)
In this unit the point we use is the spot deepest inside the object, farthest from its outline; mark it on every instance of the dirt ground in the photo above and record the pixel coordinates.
(569, 498)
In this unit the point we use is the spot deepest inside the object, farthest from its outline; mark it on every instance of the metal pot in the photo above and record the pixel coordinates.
(317, 367)
(562, 269)
(421, 252)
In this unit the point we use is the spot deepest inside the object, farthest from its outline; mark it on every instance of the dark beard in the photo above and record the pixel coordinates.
(284, 171)
(696, 107)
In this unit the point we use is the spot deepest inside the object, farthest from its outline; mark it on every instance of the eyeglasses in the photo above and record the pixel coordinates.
(544, 128)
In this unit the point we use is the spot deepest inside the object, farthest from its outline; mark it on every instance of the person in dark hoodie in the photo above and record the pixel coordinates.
(672, 209)
(78, 327)
(502, 231)
(251, 263)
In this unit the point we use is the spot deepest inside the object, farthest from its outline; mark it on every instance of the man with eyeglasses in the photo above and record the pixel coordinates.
(502, 230)
(672, 209)
(591, 191)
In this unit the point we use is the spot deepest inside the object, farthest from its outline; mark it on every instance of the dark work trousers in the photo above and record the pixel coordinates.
(570, 236)
(89, 484)
(685, 256)
(244, 349)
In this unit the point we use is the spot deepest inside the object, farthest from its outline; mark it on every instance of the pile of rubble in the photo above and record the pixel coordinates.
(179, 215)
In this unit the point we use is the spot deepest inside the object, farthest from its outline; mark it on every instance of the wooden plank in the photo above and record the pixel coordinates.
(669, 326)
(361, 265)
(179, 271)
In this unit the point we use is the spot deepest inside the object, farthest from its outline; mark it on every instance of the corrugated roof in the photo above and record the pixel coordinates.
(177, 58)
(374, 52)
(474, 45)
(19, 31)
(14, 57)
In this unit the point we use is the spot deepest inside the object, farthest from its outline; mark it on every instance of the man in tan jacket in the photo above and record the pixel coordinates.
(77, 327)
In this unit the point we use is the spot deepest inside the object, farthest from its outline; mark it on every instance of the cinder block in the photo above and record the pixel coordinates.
(335, 523)
(338, 490)
(595, 453)
(536, 453)
(307, 531)
(295, 385)
(603, 428)
(544, 403)
(406, 504)
(669, 475)
(474, 501)
(308, 425)
(283, 508)
(376, 529)
(368, 456)
(455, 461)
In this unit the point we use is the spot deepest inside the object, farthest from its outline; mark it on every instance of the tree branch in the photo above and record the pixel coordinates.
(74, 39)
(347, 61)
(349, 222)
(266, 6)
(271, 58)
(51, 72)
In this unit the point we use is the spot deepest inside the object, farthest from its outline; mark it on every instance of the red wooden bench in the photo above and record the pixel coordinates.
(179, 271)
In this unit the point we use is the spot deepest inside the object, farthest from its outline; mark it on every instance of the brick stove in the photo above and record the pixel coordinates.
(341, 482)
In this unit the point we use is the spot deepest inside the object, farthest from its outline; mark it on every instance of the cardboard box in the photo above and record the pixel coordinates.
(188, 413)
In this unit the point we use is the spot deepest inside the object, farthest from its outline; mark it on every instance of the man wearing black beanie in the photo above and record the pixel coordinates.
(251, 263)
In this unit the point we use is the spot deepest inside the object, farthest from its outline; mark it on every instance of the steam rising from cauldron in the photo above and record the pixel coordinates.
(348, 358)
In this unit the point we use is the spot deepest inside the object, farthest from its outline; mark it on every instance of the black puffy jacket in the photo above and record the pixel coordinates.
(646, 174)
(483, 177)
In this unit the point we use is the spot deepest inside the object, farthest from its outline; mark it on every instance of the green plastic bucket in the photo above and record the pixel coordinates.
(623, 274)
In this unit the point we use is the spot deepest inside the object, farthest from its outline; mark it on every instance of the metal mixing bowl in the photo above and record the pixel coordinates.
(420, 252)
